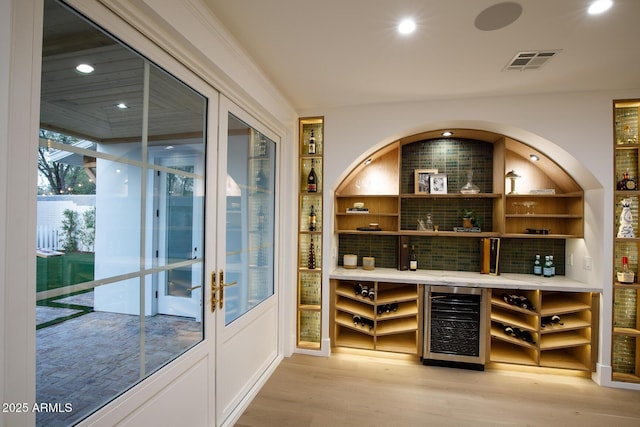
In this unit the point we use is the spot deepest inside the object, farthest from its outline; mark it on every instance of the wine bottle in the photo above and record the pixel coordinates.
(394, 307)
(537, 266)
(371, 294)
(365, 291)
(546, 268)
(413, 259)
(312, 143)
(524, 302)
(356, 320)
(311, 262)
(357, 289)
(312, 219)
(552, 266)
(312, 180)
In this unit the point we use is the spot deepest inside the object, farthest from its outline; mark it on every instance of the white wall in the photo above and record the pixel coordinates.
(575, 129)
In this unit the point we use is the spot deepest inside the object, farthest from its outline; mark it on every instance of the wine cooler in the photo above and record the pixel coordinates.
(455, 329)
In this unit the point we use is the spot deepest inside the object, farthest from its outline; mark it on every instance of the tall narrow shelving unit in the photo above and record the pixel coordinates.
(625, 346)
(309, 298)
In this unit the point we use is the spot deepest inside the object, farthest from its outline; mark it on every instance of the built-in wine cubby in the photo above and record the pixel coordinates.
(625, 346)
(376, 315)
(310, 228)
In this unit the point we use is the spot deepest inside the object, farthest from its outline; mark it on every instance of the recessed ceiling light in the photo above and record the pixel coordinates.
(534, 158)
(599, 6)
(446, 133)
(84, 69)
(407, 26)
(122, 106)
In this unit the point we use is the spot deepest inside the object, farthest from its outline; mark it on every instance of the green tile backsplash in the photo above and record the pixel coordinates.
(453, 253)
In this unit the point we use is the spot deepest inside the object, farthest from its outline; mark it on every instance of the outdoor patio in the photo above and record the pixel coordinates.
(89, 359)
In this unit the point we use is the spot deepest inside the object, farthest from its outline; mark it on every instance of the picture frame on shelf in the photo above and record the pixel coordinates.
(421, 180)
(438, 183)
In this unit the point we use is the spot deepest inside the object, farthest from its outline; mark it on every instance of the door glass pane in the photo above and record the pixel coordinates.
(251, 162)
(120, 218)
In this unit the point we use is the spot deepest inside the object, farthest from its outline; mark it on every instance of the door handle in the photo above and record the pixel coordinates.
(214, 289)
(193, 288)
(224, 285)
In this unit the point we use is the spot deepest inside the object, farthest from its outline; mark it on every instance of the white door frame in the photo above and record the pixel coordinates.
(249, 348)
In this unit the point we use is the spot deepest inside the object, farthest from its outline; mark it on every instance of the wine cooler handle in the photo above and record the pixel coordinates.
(224, 285)
(214, 289)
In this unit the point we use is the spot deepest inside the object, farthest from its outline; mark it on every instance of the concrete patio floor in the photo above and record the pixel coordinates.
(88, 360)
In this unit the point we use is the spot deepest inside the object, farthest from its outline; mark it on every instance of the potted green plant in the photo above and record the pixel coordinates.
(468, 218)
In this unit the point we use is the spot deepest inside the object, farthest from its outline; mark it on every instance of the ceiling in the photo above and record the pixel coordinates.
(332, 53)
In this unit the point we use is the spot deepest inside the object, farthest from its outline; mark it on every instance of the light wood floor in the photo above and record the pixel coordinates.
(357, 390)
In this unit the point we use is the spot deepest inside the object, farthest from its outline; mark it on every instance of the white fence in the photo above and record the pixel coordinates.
(48, 237)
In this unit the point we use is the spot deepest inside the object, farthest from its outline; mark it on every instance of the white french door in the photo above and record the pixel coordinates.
(246, 313)
(179, 236)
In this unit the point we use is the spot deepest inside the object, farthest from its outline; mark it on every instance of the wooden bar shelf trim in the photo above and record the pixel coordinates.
(631, 332)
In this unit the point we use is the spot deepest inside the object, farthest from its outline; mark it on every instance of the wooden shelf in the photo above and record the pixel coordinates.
(396, 326)
(561, 303)
(355, 307)
(511, 320)
(564, 360)
(349, 338)
(563, 340)
(499, 302)
(398, 343)
(346, 321)
(630, 332)
(402, 293)
(499, 334)
(405, 309)
(570, 323)
(309, 307)
(451, 196)
(502, 352)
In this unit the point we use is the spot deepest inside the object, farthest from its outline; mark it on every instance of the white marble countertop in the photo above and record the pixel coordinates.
(465, 278)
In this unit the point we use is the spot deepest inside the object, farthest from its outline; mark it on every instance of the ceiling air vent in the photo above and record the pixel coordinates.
(530, 60)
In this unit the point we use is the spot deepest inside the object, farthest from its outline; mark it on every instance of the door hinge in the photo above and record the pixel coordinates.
(156, 294)
(157, 254)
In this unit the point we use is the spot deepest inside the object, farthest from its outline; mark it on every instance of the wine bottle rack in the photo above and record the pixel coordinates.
(396, 330)
(568, 344)
(625, 345)
(309, 289)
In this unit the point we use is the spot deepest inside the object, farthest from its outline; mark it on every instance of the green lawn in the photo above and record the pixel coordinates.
(64, 270)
